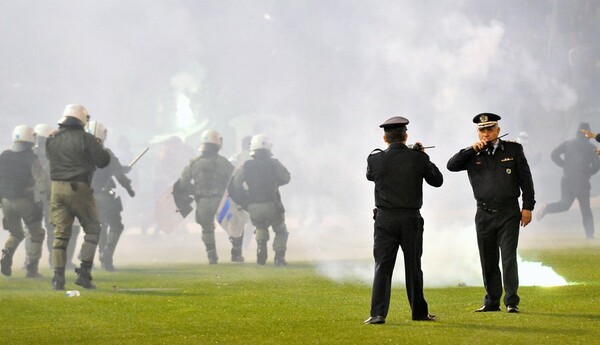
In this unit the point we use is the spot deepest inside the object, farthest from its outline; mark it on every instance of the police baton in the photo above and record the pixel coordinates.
(138, 157)
(490, 144)
(419, 147)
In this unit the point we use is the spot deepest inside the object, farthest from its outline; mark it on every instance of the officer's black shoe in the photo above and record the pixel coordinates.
(375, 320)
(512, 309)
(6, 263)
(429, 317)
(58, 281)
(84, 276)
(485, 309)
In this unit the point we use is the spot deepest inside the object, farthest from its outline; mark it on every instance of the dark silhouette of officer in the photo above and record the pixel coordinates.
(579, 161)
(398, 173)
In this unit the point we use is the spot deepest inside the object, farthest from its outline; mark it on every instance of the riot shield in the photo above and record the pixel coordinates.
(171, 209)
(231, 217)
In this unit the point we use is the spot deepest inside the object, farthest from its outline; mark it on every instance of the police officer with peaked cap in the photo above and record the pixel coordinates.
(499, 174)
(398, 173)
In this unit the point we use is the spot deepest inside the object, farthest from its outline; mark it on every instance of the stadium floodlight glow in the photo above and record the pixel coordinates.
(184, 116)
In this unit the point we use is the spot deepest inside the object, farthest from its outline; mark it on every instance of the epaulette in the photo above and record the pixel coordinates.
(375, 151)
(513, 142)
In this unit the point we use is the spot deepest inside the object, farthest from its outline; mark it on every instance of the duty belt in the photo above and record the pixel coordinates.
(494, 207)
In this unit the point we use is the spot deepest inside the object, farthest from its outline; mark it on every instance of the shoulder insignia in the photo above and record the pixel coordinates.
(375, 151)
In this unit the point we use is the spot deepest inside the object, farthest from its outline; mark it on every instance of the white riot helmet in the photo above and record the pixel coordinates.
(97, 129)
(43, 130)
(76, 111)
(23, 134)
(260, 141)
(23, 138)
(210, 137)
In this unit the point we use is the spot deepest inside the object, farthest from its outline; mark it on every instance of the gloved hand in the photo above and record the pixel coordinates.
(130, 192)
(417, 147)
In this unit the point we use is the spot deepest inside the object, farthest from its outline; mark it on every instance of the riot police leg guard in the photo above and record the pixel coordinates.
(59, 260)
(106, 258)
(236, 248)
(262, 236)
(211, 249)
(261, 252)
(84, 275)
(280, 244)
(58, 281)
(35, 252)
(70, 250)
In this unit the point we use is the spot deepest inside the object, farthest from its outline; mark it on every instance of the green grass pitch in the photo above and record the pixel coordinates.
(250, 304)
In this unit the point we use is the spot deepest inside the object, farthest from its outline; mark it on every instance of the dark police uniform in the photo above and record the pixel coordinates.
(398, 173)
(579, 161)
(497, 179)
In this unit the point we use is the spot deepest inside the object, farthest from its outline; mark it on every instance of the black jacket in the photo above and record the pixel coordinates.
(498, 179)
(398, 173)
(577, 157)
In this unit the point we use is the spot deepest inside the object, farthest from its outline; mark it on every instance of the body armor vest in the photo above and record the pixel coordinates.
(261, 178)
(16, 178)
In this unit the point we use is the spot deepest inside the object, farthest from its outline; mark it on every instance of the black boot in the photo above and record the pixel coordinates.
(6, 262)
(107, 264)
(58, 281)
(84, 275)
(261, 252)
(280, 258)
(32, 270)
(211, 252)
(236, 249)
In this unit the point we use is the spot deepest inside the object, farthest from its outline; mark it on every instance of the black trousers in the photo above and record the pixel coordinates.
(572, 189)
(498, 232)
(394, 229)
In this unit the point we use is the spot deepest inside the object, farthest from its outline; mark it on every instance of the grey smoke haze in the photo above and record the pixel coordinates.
(317, 77)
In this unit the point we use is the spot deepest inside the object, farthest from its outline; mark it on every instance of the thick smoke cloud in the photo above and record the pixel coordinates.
(317, 77)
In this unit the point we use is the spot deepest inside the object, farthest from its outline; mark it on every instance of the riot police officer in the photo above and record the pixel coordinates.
(206, 178)
(74, 155)
(263, 175)
(108, 203)
(23, 184)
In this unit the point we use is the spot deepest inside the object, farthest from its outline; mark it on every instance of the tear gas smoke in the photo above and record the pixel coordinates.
(317, 77)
